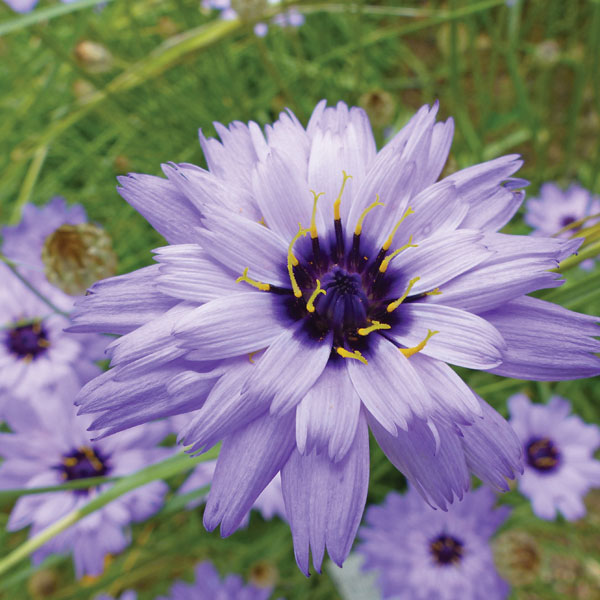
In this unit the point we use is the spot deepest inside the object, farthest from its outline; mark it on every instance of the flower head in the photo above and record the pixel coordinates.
(422, 554)
(313, 288)
(34, 348)
(209, 586)
(559, 456)
(49, 446)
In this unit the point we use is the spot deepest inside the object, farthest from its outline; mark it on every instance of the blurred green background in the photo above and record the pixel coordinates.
(87, 94)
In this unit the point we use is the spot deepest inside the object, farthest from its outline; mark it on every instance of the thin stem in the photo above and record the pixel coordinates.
(31, 177)
(14, 268)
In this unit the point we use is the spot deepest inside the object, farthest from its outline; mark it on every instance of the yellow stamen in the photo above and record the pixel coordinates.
(388, 242)
(313, 224)
(364, 213)
(376, 325)
(262, 221)
(338, 201)
(434, 292)
(356, 355)
(385, 263)
(70, 461)
(251, 356)
(42, 343)
(293, 261)
(89, 454)
(394, 305)
(408, 352)
(310, 306)
(264, 287)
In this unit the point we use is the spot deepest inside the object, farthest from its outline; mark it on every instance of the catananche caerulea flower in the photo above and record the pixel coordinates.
(423, 554)
(555, 209)
(34, 348)
(127, 595)
(269, 503)
(291, 340)
(253, 9)
(208, 586)
(49, 446)
(559, 456)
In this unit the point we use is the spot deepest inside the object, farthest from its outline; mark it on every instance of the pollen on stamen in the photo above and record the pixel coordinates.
(394, 305)
(374, 327)
(388, 242)
(310, 305)
(435, 292)
(359, 224)
(313, 223)
(338, 200)
(292, 261)
(386, 261)
(356, 355)
(408, 352)
(264, 287)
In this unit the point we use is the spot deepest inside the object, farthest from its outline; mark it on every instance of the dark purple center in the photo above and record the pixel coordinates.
(542, 454)
(27, 341)
(446, 550)
(567, 221)
(83, 463)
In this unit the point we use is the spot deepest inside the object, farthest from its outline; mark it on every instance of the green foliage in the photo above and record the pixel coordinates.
(523, 79)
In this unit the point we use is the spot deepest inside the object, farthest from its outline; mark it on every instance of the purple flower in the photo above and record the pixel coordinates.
(34, 348)
(423, 554)
(127, 595)
(25, 6)
(269, 503)
(209, 586)
(292, 342)
(51, 445)
(559, 456)
(555, 209)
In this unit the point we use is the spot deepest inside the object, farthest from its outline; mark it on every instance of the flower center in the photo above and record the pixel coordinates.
(27, 341)
(344, 288)
(567, 221)
(542, 454)
(446, 550)
(83, 463)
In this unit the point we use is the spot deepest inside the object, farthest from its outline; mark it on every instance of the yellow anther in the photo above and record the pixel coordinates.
(313, 223)
(310, 305)
(434, 292)
(388, 242)
(264, 287)
(385, 263)
(71, 461)
(358, 229)
(394, 305)
(251, 356)
(376, 325)
(293, 261)
(408, 352)
(338, 200)
(91, 456)
(356, 355)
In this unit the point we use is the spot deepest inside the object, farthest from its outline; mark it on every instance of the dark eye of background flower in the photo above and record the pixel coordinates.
(83, 463)
(27, 341)
(446, 550)
(542, 454)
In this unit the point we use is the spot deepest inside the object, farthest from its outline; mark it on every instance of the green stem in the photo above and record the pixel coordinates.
(166, 468)
(29, 182)
(590, 251)
(13, 267)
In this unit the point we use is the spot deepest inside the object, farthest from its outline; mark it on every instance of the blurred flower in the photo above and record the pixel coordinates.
(518, 557)
(264, 574)
(93, 57)
(250, 10)
(24, 6)
(423, 554)
(269, 503)
(34, 348)
(127, 595)
(50, 446)
(209, 586)
(75, 256)
(42, 584)
(559, 456)
(292, 345)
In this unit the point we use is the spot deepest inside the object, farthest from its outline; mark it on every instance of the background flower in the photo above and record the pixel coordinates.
(559, 456)
(424, 554)
(50, 445)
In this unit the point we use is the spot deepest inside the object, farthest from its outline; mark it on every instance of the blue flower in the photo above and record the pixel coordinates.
(422, 554)
(314, 288)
